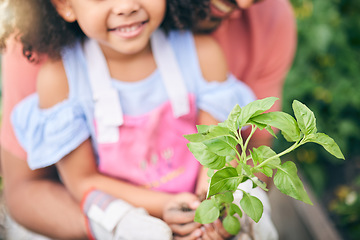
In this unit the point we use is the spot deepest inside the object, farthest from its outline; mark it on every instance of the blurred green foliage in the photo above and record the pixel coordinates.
(326, 70)
(326, 77)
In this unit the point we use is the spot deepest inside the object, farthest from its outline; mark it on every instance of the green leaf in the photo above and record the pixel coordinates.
(288, 182)
(203, 128)
(327, 142)
(255, 156)
(259, 183)
(224, 180)
(267, 171)
(255, 108)
(226, 197)
(231, 225)
(231, 121)
(283, 121)
(210, 172)
(262, 126)
(229, 159)
(207, 212)
(305, 118)
(205, 157)
(196, 137)
(244, 169)
(259, 125)
(222, 146)
(252, 206)
(234, 208)
(265, 152)
(211, 133)
(270, 130)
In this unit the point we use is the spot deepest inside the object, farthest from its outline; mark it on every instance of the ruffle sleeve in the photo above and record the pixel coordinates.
(219, 98)
(47, 135)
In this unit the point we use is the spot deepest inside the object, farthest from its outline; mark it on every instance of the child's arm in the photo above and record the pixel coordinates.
(79, 173)
(78, 169)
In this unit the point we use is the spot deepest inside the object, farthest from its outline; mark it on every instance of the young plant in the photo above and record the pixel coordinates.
(216, 146)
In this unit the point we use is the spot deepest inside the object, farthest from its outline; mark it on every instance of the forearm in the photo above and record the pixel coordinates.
(152, 201)
(79, 173)
(38, 203)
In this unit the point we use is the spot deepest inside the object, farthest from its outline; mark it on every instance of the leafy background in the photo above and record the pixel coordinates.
(326, 77)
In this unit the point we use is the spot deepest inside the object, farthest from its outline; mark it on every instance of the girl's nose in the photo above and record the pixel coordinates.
(126, 7)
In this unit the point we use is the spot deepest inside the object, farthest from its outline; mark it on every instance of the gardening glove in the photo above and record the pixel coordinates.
(262, 230)
(109, 218)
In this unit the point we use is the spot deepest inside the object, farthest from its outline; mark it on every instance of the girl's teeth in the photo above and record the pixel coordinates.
(129, 29)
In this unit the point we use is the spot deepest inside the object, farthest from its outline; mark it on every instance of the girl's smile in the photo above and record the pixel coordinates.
(123, 27)
(130, 30)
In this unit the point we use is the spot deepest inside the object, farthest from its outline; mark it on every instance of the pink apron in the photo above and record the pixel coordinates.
(147, 150)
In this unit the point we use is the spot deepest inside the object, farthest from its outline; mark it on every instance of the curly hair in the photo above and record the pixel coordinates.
(42, 30)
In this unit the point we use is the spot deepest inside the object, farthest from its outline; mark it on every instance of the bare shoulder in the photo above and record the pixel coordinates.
(52, 85)
(211, 58)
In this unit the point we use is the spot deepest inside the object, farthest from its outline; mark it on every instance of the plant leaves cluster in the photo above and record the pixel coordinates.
(215, 147)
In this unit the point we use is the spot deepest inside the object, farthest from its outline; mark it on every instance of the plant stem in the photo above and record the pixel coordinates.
(240, 141)
(293, 147)
(238, 154)
(253, 129)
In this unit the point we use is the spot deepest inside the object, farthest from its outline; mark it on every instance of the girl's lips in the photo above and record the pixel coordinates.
(129, 31)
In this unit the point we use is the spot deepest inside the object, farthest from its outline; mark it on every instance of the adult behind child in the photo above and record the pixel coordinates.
(272, 71)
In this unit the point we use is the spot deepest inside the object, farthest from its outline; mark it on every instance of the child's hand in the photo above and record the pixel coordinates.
(215, 231)
(179, 214)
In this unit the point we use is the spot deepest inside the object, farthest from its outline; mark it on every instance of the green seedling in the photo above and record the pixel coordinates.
(216, 146)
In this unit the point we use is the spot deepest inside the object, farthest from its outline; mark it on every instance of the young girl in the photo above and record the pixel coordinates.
(113, 101)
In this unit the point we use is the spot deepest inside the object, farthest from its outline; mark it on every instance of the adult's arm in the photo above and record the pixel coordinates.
(35, 199)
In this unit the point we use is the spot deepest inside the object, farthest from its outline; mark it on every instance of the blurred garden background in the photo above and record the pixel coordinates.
(326, 77)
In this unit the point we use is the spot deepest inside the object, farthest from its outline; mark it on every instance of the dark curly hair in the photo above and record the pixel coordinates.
(42, 30)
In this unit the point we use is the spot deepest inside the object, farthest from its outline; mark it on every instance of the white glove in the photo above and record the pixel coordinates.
(114, 219)
(264, 229)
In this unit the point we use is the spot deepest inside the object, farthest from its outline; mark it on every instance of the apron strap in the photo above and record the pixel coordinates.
(170, 72)
(108, 112)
